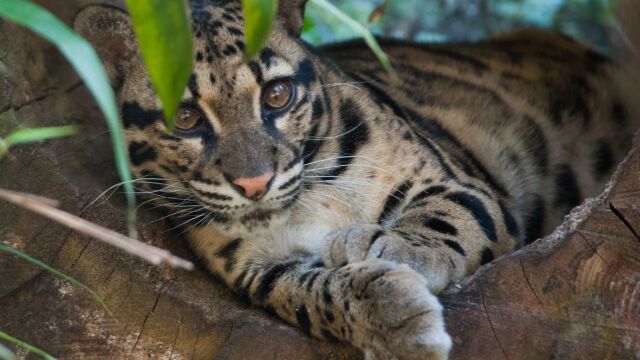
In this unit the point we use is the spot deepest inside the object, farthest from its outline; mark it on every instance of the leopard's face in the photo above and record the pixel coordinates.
(235, 157)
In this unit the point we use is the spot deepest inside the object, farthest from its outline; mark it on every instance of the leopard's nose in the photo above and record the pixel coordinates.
(254, 188)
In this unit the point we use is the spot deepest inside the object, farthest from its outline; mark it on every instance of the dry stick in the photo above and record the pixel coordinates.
(43, 206)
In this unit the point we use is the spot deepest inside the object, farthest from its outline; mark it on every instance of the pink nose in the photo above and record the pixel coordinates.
(254, 188)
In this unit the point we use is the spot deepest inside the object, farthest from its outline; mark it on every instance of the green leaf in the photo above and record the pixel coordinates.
(6, 354)
(330, 10)
(163, 29)
(87, 64)
(24, 136)
(25, 345)
(58, 273)
(258, 19)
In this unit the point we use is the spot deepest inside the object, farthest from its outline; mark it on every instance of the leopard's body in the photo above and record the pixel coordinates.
(385, 189)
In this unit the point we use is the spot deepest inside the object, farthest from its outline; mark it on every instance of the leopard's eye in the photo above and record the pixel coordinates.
(277, 94)
(188, 118)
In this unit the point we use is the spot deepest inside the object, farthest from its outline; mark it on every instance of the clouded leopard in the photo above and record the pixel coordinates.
(342, 199)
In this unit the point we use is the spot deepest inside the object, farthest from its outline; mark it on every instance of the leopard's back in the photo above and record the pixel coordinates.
(534, 113)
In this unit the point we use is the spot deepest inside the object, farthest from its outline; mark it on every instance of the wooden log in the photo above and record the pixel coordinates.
(575, 294)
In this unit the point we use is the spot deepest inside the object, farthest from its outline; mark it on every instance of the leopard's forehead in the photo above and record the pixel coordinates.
(218, 28)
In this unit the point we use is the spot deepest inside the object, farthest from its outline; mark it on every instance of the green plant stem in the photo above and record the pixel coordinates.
(363, 31)
(58, 273)
(27, 346)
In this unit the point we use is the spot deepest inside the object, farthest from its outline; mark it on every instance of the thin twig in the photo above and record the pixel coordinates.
(42, 206)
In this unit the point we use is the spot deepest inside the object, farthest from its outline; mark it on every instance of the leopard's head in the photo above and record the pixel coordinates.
(236, 153)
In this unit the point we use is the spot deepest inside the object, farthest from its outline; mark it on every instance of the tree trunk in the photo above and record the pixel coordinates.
(575, 294)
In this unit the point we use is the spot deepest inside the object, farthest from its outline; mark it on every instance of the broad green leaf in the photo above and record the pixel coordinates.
(23, 136)
(58, 273)
(87, 64)
(22, 344)
(6, 354)
(258, 19)
(329, 9)
(163, 29)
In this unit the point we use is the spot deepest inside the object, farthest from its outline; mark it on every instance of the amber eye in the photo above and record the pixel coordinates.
(277, 94)
(188, 118)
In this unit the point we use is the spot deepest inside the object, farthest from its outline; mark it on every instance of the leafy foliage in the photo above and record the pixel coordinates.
(24, 136)
(329, 10)
(163, 30)
(27, 346)
(259, 16)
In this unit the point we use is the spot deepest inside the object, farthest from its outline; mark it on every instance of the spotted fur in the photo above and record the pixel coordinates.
(385, 189)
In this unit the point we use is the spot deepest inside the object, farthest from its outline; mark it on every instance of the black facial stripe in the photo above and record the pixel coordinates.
(266, 57)
(289, 183)
(305, 74)
(291, 192)
(318, 108)
(193, 86)
(358, 134)
(141, 152)
(197, 176)
(302, 102)
(134, 115)
(211, 195)
(257, 72)
(296, 159)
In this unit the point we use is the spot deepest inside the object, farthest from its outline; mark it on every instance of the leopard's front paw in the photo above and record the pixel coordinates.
(396, 316)
(359, 242)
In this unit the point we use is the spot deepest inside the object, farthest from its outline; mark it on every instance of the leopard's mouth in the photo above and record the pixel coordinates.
(259, 215)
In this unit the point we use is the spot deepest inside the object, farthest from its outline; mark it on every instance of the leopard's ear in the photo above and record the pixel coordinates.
(291, 15)
(109, 30)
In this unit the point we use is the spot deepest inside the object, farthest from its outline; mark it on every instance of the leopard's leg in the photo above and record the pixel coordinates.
(442, 230)
(381, 307)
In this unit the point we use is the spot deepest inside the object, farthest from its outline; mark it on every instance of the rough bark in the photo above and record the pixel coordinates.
(575, 294)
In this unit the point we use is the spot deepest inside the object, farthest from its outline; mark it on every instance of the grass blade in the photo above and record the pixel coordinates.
(258, 20)
(58, 273)
(330, 10)
(23, 136)
(163, 29)
(85, 61)
(27, 346)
